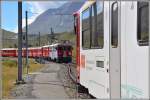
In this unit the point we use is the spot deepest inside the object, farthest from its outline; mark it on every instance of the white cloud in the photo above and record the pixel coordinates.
(39, 7)
(30, 20)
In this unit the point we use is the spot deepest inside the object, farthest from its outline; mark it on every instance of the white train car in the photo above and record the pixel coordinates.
(57, 52)
(112, 48)
(53, 54)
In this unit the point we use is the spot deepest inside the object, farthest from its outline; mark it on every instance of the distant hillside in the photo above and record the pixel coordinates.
(57, 18)
(9, 39)
(47, 39)
(8, 34)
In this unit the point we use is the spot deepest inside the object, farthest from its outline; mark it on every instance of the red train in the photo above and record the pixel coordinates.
(9, 52)
(59, 52)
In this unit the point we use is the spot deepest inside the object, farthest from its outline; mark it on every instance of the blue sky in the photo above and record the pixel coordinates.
(10, 12)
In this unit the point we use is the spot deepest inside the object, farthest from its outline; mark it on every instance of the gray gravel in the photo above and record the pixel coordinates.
(44, 84)
(23, 91)
(51, 82)
(72, 89)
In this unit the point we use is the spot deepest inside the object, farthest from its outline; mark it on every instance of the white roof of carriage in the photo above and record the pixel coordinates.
(34, 48)
(9, 49)
(47, 46)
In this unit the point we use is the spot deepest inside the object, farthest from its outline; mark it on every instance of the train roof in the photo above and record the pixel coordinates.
(47, 46)
(34, 48)
(86, 5)
(56, 44)
(9, 49)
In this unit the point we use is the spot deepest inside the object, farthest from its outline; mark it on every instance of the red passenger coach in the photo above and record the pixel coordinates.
(59, 52)
(46, 52)
(9, 52)
(30, 52)
(34, 52)
(38, 52)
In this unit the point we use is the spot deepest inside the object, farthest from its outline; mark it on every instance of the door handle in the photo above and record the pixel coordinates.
(107, 70)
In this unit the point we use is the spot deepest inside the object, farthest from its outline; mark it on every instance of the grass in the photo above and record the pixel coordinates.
(9, 74)
(9, 66)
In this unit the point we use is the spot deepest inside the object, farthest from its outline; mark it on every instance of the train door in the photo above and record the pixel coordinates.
(115, 62)
(134, 50)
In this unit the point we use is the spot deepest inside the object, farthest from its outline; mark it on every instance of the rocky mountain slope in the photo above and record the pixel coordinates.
(60, 19)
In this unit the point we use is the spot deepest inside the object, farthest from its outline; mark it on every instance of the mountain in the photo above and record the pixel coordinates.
(58, 19)
(8, 39)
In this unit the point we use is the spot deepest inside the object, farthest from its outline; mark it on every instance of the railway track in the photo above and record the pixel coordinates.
(81, 92)
(70, 72)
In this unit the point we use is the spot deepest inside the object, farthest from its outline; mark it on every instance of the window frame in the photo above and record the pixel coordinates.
(90, 21)
(94, 29)
(112, 25)
(140, 43)
(103, 28)
(84, 48)
(99, 47)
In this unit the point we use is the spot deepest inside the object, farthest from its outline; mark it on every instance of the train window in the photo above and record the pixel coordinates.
(94, 26)
(114, 25)
(143, 23)
(97, 25)
(100, 24)
(86, 28)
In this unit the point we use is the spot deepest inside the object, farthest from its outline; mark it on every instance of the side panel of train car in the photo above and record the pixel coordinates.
(57, 52)
(114, 61)
(46, 50)
(9, 52)
(39, 52)
(35, 52)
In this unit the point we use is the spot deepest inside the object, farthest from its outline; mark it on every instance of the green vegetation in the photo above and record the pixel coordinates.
(9, 73)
